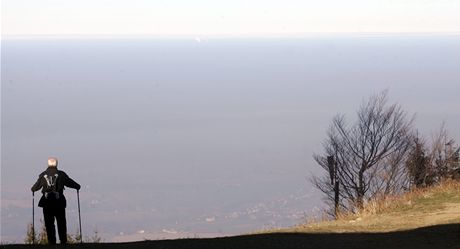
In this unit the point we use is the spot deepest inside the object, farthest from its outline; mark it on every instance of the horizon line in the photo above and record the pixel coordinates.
(225, 36)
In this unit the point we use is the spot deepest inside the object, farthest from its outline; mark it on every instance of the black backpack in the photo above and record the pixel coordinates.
(50, 186)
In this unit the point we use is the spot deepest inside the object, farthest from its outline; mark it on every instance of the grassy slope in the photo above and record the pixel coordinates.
(422, 219)
(427, 207)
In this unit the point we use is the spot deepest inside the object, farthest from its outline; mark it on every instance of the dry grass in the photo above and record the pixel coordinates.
(417, 208)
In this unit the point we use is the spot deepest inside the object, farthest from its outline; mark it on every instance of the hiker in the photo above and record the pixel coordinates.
(53, 202)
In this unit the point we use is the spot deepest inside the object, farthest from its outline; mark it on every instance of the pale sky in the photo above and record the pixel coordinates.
(235, 17)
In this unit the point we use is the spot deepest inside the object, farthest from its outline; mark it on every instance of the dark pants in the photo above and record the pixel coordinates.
(50, 213)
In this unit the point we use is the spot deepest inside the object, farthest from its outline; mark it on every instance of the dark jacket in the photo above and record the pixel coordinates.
(52, 182)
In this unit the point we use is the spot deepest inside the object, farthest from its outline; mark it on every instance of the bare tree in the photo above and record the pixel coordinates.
(332, 162)
(430, 164)
(418, 164)
(444, 156)
(369, 155)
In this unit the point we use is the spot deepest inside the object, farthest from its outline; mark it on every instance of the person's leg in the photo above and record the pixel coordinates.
(62, 225)
(48, 215)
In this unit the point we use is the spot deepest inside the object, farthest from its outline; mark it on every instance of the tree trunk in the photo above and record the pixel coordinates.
(360, 191)
(336, 199)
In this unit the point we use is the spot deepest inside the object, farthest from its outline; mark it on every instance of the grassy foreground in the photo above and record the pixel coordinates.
(434, 206)
(422, 219)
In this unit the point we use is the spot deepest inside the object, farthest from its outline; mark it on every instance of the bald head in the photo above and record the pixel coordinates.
(52, 162)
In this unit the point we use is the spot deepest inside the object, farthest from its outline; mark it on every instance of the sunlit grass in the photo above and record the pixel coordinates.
(416, 208)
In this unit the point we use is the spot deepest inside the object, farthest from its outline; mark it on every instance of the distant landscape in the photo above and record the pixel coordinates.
(185, 138)
(230, 124)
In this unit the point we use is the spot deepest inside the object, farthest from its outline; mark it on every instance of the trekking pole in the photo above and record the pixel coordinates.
(79, 216)
(33, 218)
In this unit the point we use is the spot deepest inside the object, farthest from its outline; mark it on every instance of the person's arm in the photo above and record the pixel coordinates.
(68, 182)
(38, 184)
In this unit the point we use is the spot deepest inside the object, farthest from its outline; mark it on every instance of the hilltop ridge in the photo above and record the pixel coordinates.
(420, 219)
(432, 206)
